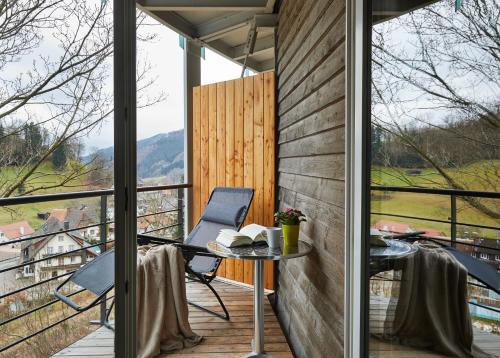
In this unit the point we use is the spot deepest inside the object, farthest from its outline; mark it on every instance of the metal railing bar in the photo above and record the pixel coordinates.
(161, 228)
(30, 199)
(51, 257)
(53, 233)
(4, 348)
(35, 284)
(157, 213)
(458, 242)
(10, 258)
(38, 308)
(78, 228)
(456, 192)
(485, 307)
(436, 220)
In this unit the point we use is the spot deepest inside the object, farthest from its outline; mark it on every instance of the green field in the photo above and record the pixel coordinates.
(46, 176)
(431, 206)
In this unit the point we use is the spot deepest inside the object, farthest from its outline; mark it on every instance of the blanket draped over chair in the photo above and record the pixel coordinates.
(431, 309)
(162, 311)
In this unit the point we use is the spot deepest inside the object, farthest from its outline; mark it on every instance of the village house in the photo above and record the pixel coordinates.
(15, 231)
(64, 246)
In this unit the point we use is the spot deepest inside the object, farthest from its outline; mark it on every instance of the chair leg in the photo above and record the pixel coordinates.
(106, 321)
(224, 316)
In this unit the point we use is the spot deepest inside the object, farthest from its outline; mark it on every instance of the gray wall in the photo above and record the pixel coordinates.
(311, 107)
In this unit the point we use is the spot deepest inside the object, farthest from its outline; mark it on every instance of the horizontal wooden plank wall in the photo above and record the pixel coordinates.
(310, 66)
(234, 145)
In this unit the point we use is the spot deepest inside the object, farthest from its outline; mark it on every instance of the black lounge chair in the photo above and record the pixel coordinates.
(481, 271)
(98, 277)
(226, 209)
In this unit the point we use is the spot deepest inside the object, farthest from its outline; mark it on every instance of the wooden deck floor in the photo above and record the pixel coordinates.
(487, 342)
(221, 338)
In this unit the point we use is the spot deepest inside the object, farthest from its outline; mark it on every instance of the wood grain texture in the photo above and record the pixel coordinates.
(237, 148)
(311, 171)
(248, 162)
(229, 162)
(220, 338)
(204, 149)
(196, 152)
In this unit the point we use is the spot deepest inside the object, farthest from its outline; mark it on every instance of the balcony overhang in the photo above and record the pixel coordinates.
(240, 30)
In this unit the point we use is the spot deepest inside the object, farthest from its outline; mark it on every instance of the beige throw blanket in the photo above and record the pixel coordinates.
(162, 311)
(432, 311)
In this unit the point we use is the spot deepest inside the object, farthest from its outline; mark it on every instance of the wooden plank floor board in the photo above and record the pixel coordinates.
(379, 311)
(221, 339)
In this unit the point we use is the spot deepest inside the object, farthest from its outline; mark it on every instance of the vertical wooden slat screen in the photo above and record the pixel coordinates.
(234, 145)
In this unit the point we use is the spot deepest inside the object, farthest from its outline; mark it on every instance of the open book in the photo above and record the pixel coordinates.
(248, 235)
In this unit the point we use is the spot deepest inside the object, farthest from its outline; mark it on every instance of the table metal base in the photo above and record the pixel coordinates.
(258, 312)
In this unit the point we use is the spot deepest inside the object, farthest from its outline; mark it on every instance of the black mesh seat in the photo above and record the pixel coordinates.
(97, 276)
(479, 270)
(226, 208)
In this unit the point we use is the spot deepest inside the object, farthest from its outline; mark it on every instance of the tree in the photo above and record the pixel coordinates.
(445, 76)
(59, 157)
(65, 92)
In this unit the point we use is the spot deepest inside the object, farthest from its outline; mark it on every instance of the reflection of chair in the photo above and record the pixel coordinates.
(226, 208)
(481, 271)
(98, 277)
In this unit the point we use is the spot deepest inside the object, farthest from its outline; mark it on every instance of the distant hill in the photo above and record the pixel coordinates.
(156, 156)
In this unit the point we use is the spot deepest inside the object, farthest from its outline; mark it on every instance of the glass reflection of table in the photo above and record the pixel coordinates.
(383, 258)
(259, 253)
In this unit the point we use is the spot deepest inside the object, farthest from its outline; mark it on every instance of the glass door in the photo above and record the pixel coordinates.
(434, 158)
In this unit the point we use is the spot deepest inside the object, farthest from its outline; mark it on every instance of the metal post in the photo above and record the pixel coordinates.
(125, 175)
(180, 212)
(192, 78)
(103, 231)
(103, 226)
(453, 220)
(258, 311)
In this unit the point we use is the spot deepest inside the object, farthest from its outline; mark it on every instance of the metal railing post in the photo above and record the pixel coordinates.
(103, 231)
(180, 212)
(453, 220)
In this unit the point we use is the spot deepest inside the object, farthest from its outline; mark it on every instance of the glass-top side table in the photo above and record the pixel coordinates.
(383, 258)
(259, 253)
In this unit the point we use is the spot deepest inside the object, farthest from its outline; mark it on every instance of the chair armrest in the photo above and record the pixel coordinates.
(68, 301)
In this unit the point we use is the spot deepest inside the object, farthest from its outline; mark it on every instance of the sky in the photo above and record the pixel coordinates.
(166, 57)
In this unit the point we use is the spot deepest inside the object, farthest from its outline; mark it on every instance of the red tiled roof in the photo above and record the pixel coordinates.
(430, 232)
(392, 226)
(16, 230)
(59, 214)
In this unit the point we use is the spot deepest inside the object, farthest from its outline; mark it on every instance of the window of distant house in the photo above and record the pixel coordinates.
(54, 273)
(497, 257)
(71, 247)
(49, 262)
(61, 261)
(73, 259)
(50, 249)
(61, 248)
(60, 238)
(2, 235)
(92, 232)
(484, 256)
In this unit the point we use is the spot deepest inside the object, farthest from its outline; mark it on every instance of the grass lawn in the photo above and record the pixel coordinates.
(426, 205)
(46, 175)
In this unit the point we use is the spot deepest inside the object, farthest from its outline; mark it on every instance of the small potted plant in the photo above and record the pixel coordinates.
(290, 220)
